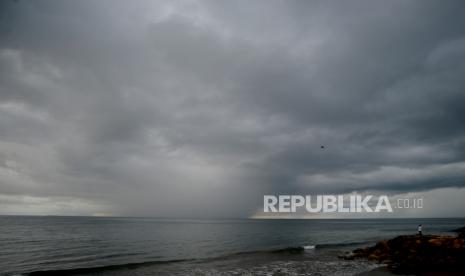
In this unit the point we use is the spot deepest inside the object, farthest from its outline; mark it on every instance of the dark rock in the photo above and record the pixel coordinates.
(414, 253)
(460, 231)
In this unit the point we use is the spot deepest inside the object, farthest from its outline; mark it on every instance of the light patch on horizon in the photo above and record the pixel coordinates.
(44, 206)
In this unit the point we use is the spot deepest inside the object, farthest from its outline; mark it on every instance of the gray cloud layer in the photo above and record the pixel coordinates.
(200, 108)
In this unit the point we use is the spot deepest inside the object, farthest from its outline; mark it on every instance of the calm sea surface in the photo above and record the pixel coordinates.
(147, 246)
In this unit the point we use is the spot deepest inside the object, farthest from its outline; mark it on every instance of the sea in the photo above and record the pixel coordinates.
(52, 245)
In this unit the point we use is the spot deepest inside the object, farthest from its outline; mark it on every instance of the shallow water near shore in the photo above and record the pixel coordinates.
(147, 246)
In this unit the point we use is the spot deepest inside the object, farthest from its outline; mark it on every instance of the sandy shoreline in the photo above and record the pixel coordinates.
(380, 271)
(384, 271)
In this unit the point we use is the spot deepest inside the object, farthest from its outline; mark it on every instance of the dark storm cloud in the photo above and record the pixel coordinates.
(200, 108)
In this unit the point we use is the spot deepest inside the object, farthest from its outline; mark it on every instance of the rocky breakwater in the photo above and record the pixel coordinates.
(416, 253)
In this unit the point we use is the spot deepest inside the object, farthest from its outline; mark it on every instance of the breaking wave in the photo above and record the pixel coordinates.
(285, 250)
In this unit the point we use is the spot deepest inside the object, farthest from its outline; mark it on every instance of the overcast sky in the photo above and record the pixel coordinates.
(199, 108)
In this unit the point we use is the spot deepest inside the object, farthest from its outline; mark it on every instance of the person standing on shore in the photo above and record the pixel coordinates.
(419, 229)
